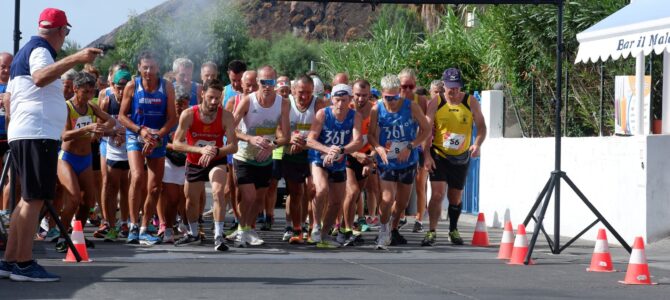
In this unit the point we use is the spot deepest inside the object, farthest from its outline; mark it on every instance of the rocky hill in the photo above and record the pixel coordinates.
(312, 20)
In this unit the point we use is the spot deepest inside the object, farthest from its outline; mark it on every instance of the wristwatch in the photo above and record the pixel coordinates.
(409, 146)
(341, 150)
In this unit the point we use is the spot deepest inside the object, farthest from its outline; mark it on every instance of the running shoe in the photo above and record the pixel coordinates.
(253, 239)
(148, 239)
(61, 246)
(111, 235)
(455, 237)
(219, 245)
(94, 219)
(232, 236)
(123, 230)
(5, 218)
(133, 236)
(267, 223)
(208, 213)
(328, 245)
(241, 239)
(102, 231)
(397, 238)
(373, 222)
(349, 239)
(44, 224)
(418, 227)
(315, 236)
(363, 225)
(34, 273)
(288, 233)
(52, 235)
(336, 229)
(5, 269)
(187, 240)
(429, 239)
(233, 228)
(151, 228)
(383, 239)
(341, 237)
(296, 239)
(168, 236)
(358, 240)
(155, 221)
(402, 222)
(182, 228)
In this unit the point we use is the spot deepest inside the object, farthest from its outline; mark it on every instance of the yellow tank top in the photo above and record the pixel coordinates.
(453, 127)
(77, 120)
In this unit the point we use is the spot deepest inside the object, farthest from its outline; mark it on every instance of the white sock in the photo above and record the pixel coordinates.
(143, 230)
(194, 228)
(218, 229)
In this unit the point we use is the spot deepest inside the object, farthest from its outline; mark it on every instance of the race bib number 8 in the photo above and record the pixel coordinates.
(453, 141)
(394, 149)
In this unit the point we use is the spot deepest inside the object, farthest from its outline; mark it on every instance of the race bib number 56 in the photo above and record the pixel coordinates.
(453, 141)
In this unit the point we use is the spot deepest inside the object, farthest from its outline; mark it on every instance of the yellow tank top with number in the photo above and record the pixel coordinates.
(78, 120)
(453, 127)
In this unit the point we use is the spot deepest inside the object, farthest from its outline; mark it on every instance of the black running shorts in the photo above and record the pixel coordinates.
(35, 162)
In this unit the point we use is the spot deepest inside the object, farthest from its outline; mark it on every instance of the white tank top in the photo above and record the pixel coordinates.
(259, 121)
(301, 120)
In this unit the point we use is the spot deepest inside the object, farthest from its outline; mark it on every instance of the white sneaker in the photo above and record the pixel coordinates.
(240, 239)
(316, 234)
(219, 245)
(168, 236)
(253, 239)
(383, 239)
(287, 235)
(208, 213)
(44, 224)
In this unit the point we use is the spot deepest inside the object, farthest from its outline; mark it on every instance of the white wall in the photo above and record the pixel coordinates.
(611, 171)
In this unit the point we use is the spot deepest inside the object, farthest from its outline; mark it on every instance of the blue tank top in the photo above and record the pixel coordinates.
(396, 131)
(334, 132)
(228, 94)
(3, 132)
(149, 109)
(114, 106)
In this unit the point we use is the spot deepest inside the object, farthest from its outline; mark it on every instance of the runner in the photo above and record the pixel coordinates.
(208, 71)
(359, 165)
(408, 91)
(115, 161)
(200, 135)
(448, 158)
(172, 199)
(148, 113)
(75, 171)
(334, 133)
(262, 123)
(68, 78)
(5, 63)
(394, 122)
(236, 69)
(183, 70)
(296, 171)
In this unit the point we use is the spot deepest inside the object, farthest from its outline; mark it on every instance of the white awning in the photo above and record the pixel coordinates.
(642, 26)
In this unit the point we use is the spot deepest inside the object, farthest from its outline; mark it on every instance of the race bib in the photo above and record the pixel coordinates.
(201, 143)
(83, 121)
(394, 149)
(453, 141)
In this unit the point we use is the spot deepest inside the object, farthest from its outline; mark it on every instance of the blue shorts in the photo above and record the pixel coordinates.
(404, 176)
(134, 144)
(79, 163)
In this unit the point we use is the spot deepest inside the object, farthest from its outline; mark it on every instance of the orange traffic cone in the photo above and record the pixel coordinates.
(520, 247)
(601, 261)
(638, 270)
(481, 236)
(507, 242)
(79, 243)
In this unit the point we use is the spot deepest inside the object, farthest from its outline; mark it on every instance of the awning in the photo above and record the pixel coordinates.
(642, 26)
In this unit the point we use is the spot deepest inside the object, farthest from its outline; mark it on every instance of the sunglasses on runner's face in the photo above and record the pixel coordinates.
(392, 97)
(407, 87)
(268, 82)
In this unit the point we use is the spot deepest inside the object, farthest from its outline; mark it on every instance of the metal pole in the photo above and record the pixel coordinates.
(602, 98)
(559, 68)
(532, 107)
(651, 92)
(567, 103)
(17, 31)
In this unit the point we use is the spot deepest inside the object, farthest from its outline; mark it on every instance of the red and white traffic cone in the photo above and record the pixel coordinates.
(507, 242)
(638, 270)
(481, 236)
(520, 247)
(601, 261)
(79, 244)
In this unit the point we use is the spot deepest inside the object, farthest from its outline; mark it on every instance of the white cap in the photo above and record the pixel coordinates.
(318, 86)
(341, 90)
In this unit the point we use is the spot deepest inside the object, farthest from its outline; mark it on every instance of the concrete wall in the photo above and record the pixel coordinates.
(626, 178)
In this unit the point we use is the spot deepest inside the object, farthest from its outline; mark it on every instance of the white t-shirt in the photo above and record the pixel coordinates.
(36, 113)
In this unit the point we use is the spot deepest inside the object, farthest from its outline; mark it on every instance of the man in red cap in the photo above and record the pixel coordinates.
(39, 115)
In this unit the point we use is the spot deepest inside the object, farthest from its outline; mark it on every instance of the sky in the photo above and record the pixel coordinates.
(90, 19)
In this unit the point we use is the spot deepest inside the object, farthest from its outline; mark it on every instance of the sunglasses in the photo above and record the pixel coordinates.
(67, 31)
(407, 87)
(392, 98)
(268, 82)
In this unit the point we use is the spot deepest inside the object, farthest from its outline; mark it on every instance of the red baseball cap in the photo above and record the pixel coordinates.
(53, 18)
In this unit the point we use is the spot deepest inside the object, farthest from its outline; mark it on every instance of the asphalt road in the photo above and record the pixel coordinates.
(281, 271)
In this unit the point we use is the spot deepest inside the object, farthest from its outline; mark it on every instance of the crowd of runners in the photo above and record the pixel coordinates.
(139, 145)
